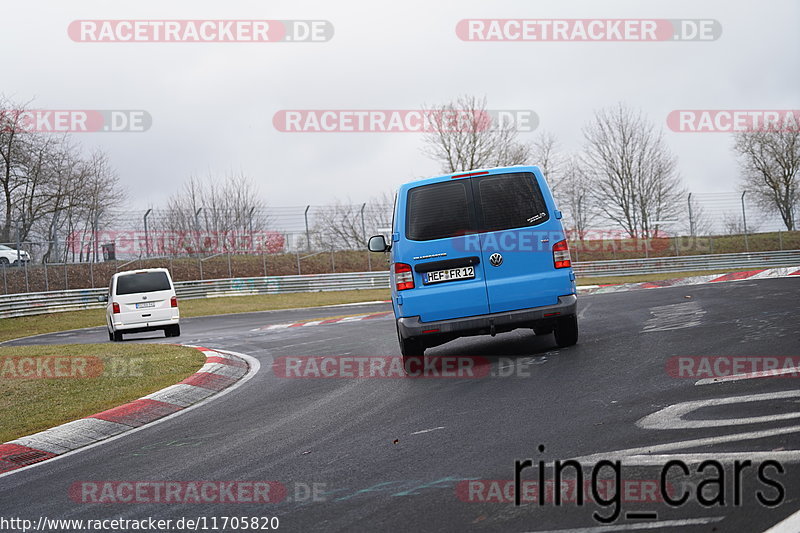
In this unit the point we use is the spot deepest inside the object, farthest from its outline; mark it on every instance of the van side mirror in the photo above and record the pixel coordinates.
(102, 298)
(558, 214)
(377, 243)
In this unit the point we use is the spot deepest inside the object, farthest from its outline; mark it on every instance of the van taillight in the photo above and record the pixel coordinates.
(403, 277)
(115, 307)
(173, 302)
(561, 258)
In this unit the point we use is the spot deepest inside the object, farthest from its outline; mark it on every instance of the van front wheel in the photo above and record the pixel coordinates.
(566, 331)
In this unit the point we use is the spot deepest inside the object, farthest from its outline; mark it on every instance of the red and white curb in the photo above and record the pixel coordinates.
(221, 370)
(768, 273)
(353, 318)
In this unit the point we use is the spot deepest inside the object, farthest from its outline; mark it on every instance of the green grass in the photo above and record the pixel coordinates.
(105, 376)
(11, 328)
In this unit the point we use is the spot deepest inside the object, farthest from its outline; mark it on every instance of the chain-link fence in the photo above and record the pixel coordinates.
(321, 239)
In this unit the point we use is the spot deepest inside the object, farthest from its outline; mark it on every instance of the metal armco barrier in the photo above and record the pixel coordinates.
(50, 302)
(687, 263)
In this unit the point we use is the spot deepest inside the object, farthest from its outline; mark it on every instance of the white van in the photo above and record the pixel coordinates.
(142, 300)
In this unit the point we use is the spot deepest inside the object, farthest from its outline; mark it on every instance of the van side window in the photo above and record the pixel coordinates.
(438, 211)
(511, 201)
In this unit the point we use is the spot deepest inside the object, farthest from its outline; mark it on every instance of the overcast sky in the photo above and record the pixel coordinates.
(212, 104)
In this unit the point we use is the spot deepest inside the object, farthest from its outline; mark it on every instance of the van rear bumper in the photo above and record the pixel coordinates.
(490, 323)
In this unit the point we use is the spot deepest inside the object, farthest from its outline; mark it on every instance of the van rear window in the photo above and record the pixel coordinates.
(438, 211)
(511, 201)
(143, 282)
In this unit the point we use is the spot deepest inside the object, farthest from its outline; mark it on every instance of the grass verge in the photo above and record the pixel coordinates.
(44, 386)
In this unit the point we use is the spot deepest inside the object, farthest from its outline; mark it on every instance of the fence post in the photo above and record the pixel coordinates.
(91, 272)
(46, 281)
(264, 261)
(230, 271)
(308, 235)
(5, 281)
(25, 266)
(333, 262)
(744, 221)
(780, 239)
(200, 262)
(66, 275)
(298, 263)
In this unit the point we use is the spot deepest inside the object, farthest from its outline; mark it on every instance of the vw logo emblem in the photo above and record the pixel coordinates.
(144, 297)
(496, 260)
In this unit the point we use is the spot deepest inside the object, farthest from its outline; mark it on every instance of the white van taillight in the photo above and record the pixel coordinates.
(173, 302)
(115, 307)
(561, 258)
(403, 277)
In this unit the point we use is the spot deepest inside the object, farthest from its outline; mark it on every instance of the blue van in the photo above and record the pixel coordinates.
(478, 253)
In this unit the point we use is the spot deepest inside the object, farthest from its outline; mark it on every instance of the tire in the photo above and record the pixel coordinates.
(411, 349)
(110, 335)
(566, 331)
(173, 331)
(4, 261)
(117, 336)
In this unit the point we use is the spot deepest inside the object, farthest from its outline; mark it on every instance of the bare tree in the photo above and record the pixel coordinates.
(634, 174)
(546, 154)
(770, 159)
(214, 215)
(462, 136)
(575, 196)
(349, 226)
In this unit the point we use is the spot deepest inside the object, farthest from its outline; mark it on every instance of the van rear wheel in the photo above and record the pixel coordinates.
(116, 336)
(173, 331)
(566, 331)
(412, 350)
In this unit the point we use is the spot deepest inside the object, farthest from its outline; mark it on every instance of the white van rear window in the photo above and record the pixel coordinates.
(143, 282)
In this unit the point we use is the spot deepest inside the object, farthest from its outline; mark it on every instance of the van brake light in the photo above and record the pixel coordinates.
(403, 277)
(115, 307)
(561, 257)
(173, 302)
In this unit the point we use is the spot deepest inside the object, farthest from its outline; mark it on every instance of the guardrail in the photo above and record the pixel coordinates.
(687, 263)
(37, 303)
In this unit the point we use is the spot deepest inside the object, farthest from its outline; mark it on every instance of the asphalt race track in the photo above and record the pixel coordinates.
(397, 454)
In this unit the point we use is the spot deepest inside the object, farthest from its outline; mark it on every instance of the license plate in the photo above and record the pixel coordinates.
(145, 305)
(438, 276)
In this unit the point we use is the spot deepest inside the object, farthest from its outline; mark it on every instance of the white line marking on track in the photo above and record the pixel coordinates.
(789, 525)
(634, 527)
(692, 443)
(672, 417)
(583, 311)
(785, 456)
(750, 375)
(426, 430)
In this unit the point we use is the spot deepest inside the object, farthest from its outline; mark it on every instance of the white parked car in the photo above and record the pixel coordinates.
(142, 300)
(8, 255)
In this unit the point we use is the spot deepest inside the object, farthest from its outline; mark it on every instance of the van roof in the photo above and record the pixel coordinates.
(492, 170)
(140, 271)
